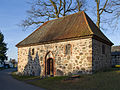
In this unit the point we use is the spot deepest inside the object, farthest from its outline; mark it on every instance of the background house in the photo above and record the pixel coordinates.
(1, 64)
(12, 63)
(115, 52)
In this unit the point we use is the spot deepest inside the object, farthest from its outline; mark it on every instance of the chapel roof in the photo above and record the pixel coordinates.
(68, 27)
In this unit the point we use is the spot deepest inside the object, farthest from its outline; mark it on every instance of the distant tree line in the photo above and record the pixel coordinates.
(3, 48)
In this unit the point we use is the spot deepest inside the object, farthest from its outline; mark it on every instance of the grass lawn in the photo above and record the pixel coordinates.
(24, 78)
(107, 80)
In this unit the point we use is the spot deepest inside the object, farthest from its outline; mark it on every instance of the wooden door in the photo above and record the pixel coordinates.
(50, 66)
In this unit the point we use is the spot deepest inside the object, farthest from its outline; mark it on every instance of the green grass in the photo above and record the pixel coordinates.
(105, 80)
(23, 78)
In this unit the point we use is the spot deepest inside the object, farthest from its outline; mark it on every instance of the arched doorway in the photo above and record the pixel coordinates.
(50, 67)
(49, 64)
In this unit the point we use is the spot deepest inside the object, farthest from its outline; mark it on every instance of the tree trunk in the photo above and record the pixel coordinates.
(64, 4)
(98, 16)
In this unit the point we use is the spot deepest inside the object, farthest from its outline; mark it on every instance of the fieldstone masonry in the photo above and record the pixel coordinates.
(100, 61)
(78, 61)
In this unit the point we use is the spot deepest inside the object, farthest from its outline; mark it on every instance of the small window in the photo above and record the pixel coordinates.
(33, 51)
(68, 49)
(103, 49)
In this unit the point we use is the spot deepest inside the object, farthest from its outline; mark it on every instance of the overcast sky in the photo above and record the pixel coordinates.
(12, 12)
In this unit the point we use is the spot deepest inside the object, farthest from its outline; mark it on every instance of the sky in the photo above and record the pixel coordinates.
(12, 12)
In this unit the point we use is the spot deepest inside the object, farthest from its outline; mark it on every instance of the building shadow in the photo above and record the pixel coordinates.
(33, 67)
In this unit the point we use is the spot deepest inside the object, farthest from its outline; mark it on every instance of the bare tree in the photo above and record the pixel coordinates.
(115, 4)
(44, 10)
(100, 10)
(113, 19)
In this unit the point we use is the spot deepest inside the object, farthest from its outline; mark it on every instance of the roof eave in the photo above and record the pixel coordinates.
(56, 41)
(102, 40)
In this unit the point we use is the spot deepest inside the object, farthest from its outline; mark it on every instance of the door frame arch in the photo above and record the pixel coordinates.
(47, 57)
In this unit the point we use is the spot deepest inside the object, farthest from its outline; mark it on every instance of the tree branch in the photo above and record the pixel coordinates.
(79, 5)
(60, 7)
(104, 7)
(55, 7)
(64, 7)
(47, 9)
(111, 11)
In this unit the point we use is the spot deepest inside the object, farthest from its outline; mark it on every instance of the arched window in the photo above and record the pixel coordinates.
(68, 49)
(33, 51)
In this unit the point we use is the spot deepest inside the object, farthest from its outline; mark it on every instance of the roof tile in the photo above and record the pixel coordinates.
(71, 26)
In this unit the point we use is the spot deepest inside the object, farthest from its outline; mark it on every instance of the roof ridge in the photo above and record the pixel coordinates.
(66, 16)
(86, 21)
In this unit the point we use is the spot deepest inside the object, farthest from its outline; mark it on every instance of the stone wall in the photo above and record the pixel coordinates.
(75, 58)
(101, 60)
